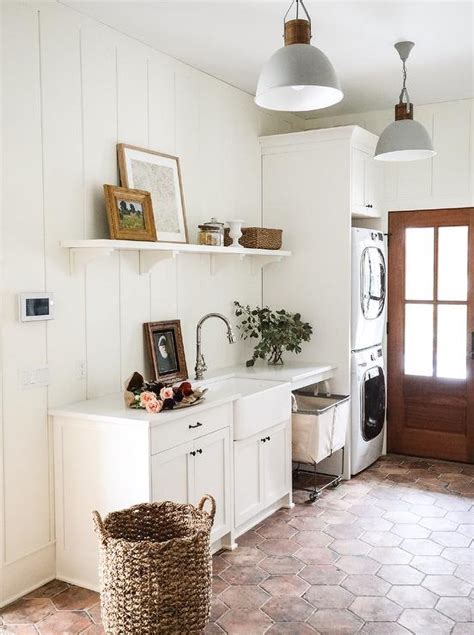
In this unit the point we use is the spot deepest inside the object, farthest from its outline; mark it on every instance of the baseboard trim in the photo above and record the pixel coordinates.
(27, 574)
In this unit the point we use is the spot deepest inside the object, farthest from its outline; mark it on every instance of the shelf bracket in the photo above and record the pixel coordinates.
(80, 258)
(259, 262)
(220, 261)
(150, 259)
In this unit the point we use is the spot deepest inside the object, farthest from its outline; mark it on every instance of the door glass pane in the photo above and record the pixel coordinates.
(452, 331)
(419, 258)
(452, 263)
(419, 339)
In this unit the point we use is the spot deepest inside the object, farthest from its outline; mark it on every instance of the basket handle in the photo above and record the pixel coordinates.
(99, 527)
(202, 502)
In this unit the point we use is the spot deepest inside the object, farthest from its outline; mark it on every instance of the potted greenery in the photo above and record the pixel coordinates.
(276, 331)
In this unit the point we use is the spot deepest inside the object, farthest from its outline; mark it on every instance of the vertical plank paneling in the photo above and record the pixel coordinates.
(99, 98)
(132, 105)
(25, 438)
(63, 195)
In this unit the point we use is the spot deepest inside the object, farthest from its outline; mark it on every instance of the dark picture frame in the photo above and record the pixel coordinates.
(166, 351)
(129, 214)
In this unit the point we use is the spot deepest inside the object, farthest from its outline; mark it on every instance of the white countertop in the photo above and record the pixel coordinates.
(112, 408)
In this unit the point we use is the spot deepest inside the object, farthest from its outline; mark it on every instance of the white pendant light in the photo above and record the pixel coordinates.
(404, 139)
(298, 76)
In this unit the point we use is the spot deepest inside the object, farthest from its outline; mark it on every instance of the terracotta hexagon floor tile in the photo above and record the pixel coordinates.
(285, 585)
(243, 556)
(350, 547)
(337, 517)
(75, 598)
(218, 608)
(48, 590)
(321, 574)
(383, 628)
(291, 628)
(27, 611)
(462, 629)
(465, 572)
(375, 524)
(316, 555)
(70, 622)
(421, 547)
(249, 539)
(280, 530)
(366, 511)
(328, 597)
(344, 532)
(244, 597)
(447, 585)
(459, 555)
(358, 564)
(428, 511)
(381, 539)
(375, 609)
(412, 597)
(243, 575)
(218, 564)
(287, 565)
(458, 609)
(331, 621)
(276, 547)
(307, 524)
(21, 629)
(400, 574)
(433, 565)
(311, 539)
(452, 503)
(416, 498)
(390, 555)
(401, 518)
(438, 524)
(213, 629)
(292, 609)
(95, 629)
(218, 585)
(411, 531)
(450, 539)
(426, 621)
(366, 584)
(95, 613)
(244, 622)
(466, 530)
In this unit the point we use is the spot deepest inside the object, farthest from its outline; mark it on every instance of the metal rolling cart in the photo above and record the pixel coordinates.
(319, 426)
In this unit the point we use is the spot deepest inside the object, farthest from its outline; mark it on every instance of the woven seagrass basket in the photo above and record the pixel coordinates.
(257, 238)
(155, 568)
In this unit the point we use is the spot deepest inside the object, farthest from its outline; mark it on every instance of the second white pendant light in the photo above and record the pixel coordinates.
(298, 77)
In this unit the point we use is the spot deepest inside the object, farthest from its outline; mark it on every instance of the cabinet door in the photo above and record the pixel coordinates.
(249, 496)
(373, 176)
(358, 182)
(212, 476)
(277, 467)
(172, 474)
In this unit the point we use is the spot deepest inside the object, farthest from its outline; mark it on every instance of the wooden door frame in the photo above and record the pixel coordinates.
(395, 353)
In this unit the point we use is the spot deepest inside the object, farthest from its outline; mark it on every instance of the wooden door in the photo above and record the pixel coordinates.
(275, 462)
(431, 334)
(212, 476)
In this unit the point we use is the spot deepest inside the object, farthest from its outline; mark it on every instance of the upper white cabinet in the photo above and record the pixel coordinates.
(366, 178)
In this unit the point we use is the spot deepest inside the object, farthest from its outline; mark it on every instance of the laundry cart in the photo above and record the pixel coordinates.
(319, 426)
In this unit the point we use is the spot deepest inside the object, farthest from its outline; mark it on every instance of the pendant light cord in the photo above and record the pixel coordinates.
(404, 91)
(298, 3)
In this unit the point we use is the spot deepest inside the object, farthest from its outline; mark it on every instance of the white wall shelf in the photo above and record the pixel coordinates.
(82, 252)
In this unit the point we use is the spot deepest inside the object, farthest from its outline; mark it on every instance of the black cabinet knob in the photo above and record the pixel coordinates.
(199, 451)
(193, 453)
(268, 438)
(263, 440)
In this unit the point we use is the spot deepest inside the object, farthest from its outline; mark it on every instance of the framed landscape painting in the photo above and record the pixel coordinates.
(160, 175)
(129, 214)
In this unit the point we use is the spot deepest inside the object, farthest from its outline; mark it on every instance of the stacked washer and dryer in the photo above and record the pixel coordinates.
(369, 286)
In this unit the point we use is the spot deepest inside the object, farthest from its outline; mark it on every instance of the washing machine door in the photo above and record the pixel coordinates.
(373, 403)
(372, 283)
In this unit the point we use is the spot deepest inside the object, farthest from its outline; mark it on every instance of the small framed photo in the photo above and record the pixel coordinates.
(166, 350)
(129, 213)
(160, 175)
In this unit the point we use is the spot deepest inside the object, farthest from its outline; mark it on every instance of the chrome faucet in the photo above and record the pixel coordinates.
(200, 361)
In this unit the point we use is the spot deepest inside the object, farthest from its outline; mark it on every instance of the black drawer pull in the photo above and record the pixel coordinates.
(267, 438)
(263, 440)
(197, 425)
(200, 451)
(193, 453)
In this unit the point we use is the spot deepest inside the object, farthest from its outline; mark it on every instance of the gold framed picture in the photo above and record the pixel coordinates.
(166, 350)
(160, 175)
(129, 214)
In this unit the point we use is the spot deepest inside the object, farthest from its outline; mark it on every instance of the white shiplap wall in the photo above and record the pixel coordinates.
(72, 89)
(447, 180)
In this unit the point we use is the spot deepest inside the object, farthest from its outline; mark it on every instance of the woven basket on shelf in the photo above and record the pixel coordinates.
(257, 238)
(155, 568)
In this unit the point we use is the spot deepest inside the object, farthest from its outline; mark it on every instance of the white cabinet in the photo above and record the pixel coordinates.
(365, 185)
(262, 471)
(190, 470)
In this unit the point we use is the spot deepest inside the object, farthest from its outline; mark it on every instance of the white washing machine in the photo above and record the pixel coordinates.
(369, 288)
(368, 407)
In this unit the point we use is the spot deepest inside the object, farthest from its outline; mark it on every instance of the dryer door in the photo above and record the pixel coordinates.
(373, 403)
(372, 283)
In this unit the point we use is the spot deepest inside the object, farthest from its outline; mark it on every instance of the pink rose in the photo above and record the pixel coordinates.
(147, 396)
(153, 406)
(166, 393)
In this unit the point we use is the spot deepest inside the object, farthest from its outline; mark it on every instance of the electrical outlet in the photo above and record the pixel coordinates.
(82, 370)
(31, 377)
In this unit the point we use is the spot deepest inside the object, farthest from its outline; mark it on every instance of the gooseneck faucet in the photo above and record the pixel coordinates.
(200, 361)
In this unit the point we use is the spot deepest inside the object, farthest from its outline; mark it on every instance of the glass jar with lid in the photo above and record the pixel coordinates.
(211, 233)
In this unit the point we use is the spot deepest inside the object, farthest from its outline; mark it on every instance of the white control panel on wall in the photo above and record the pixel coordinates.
(37, 305)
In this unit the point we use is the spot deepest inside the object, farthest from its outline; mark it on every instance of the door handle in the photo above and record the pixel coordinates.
(197, 425)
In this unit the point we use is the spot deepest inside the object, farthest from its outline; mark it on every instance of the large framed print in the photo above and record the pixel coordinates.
(160, 175)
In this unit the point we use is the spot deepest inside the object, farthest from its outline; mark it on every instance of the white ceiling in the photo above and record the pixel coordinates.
(232, 40)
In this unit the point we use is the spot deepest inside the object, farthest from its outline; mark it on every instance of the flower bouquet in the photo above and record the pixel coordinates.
(154, 396)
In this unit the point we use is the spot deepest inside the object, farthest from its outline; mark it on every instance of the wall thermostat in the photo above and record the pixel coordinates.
(36, 306)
